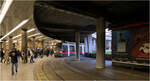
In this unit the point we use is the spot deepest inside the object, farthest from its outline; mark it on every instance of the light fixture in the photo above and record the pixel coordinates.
(31, 30)
(34, 35)
(39, 37)
(27, 32)
(4, 9)
(16, 36)
(17, 27)
(14, 41)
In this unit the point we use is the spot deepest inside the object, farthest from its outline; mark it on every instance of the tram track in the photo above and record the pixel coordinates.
(72, 73)
(48, 64)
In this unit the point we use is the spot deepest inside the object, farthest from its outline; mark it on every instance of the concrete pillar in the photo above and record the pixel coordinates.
(43, 48)
(1, 41)
(10, 44)
(33, 43)
(68, 49)
(90, 45)
(1, 45)
(86, 45)
(42, 44)
(100, 43)
(94, 44)
(77, 39)
(4, 44)
(24, 41)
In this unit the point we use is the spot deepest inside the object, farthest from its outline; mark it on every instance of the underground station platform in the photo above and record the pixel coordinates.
(53, 40)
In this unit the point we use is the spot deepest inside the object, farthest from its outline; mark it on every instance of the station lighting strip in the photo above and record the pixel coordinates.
(34, 35)
(39, 37)
(33, 29)
(16, 36)
(17, 27)
(5, 8)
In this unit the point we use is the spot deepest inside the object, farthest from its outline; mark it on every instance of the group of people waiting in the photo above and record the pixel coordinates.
(13, 55)
(25, 55)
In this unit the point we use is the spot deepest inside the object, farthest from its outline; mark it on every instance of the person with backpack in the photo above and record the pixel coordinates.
(14, 60)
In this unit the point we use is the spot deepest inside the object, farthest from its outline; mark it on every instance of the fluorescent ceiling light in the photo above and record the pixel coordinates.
(39, 37)
(16, 36)
(34, 35)
(31, 30)
(17, 27)
(27, 32)
(14, 41)
(4, 10)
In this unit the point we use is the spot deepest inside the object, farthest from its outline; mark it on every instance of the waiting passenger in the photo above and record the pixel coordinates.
(2, 55)
(13, 54)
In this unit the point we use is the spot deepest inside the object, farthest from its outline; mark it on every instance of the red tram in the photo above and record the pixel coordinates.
(68, 49)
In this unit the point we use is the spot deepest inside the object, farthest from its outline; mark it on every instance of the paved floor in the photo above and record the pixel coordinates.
(69, 69)
(25, 72)
(66, 69)
(110, 72)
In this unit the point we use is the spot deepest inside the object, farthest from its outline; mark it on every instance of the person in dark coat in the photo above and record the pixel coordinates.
(1, 55)
(14, 60)
(47, 52)
(52, 52)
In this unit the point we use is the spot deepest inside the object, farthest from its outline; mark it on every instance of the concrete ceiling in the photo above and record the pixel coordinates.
(18, 12)
(61, 19)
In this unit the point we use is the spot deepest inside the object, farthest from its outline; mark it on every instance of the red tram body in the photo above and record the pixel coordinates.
(68, 49)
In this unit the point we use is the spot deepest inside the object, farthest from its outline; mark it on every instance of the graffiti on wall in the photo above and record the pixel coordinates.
(141, 43)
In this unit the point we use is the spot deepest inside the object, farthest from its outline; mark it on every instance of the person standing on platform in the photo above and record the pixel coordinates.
(6, 56)
(52, 52)
(31, 56)
(23, 56)
(14, 60)
(2, 55)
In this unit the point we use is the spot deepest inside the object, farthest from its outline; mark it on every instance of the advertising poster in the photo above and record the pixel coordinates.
(141, 43)
(122, 41)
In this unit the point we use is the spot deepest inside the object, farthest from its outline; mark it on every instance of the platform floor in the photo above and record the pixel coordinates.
(110, 72)
(25, 71)
(67, 68)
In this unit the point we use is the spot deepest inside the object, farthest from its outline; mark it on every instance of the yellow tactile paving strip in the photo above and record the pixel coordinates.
(38, 72)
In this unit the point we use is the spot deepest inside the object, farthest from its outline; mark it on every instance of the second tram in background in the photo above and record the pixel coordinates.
(68, 49)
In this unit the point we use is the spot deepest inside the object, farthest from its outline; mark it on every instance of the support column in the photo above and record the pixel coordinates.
(86, 44)
(33, 43)
(1, 42)
(4, 45)
(100, 43)
(90, 43)
(68, 49)
(24, 41)
(10, 44)
(77, 39)
(42, 44)
(43, 48)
